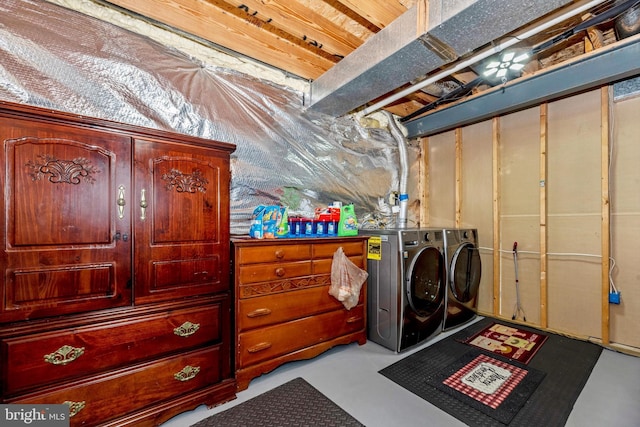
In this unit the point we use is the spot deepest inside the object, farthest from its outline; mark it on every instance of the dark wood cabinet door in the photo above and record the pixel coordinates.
(65, 203)
(181, 221)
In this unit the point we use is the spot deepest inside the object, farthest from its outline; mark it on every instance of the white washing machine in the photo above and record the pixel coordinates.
(462, 259)
(406, 286)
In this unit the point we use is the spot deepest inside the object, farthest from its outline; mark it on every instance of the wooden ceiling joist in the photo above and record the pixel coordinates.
(379, 13)
(305, 23)
(224, 24)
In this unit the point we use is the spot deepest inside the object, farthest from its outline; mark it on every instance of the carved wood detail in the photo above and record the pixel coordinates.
(185, 183)
(62, 171)
(284, 285)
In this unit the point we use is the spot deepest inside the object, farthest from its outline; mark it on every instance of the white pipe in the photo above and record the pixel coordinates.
(482, 55)
(404, 169)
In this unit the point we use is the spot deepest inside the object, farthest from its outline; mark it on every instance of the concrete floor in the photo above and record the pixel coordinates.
(348, 375)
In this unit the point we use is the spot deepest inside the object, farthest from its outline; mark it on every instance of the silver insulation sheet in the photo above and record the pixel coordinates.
(57, 58)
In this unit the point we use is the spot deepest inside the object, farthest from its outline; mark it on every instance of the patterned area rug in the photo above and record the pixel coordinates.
(293, 404)
(564, 362)
(494, 387)
(513, 343)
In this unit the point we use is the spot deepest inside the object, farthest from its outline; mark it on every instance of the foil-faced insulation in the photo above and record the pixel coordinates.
(56, 58)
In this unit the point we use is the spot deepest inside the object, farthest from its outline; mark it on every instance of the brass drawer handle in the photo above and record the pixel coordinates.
(121, 202)
(259, 312)
(63, 355)
(279, 271)
(143, 205)
(74, 407)
(279, 254)
(186, 329)
(354, 319)
(259, 347)
(187, 373)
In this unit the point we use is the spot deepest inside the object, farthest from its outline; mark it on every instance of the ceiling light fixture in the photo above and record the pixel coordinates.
(508, 66)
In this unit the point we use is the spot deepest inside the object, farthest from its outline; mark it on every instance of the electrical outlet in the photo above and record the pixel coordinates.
(393, 198)
(614, 297)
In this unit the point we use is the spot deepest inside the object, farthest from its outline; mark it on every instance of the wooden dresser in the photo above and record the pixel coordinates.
(283, 309)
(116, 295)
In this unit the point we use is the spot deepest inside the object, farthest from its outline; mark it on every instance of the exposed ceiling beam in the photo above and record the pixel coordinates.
(603, 66)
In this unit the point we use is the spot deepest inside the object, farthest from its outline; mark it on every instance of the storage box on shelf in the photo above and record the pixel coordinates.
(116, 283)
(283, 308)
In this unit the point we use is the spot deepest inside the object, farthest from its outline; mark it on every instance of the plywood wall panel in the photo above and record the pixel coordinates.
(442, 157)
(574, 207)
(520, 211)
(520, 163)
(477, 201)
(573, 184)
(525, 231)
(625, 317)
(574, 286)
(625, 221)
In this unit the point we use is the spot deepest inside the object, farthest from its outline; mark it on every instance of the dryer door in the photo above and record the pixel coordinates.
(425, 281)
(465, 273)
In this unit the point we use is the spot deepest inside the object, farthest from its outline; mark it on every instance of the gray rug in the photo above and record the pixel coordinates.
(293, 404)
(565, 362)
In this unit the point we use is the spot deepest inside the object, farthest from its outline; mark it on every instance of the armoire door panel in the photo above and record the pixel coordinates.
(64, 192)
(179, 241)
(63, 246)
(185, 194)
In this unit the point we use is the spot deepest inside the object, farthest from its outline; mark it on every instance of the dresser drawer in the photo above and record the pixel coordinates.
(323, 266)
(282, 307)
(106, 397)
(273, 253)
(255, 273)
(266, 343)
(327, 249)
(47, 358)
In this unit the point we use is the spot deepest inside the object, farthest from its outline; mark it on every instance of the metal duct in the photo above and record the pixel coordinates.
(426, 37)
(628, 24)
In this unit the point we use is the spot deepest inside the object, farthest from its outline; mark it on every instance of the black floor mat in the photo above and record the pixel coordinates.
(295, 404)
(566, 362)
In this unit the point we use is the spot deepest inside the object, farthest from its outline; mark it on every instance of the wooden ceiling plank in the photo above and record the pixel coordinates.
(212, 21)
(378, 12)
(301, 21)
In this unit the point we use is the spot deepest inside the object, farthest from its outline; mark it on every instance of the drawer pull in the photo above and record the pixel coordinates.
(279, 254)
(74, 407)
(187, 373)
(259, 312)
(354, 319)
(186, 329)
(259, 347)
(63, 355)
(279, 271)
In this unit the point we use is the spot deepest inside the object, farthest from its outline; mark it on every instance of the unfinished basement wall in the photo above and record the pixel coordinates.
(535, 177)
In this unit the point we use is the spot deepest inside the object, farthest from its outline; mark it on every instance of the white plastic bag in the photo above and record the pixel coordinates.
(346, 280)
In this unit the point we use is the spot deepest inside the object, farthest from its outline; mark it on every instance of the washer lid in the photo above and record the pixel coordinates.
(465, 273)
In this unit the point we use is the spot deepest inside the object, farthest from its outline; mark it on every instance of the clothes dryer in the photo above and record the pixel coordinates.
(406, 286)
(462, 259)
